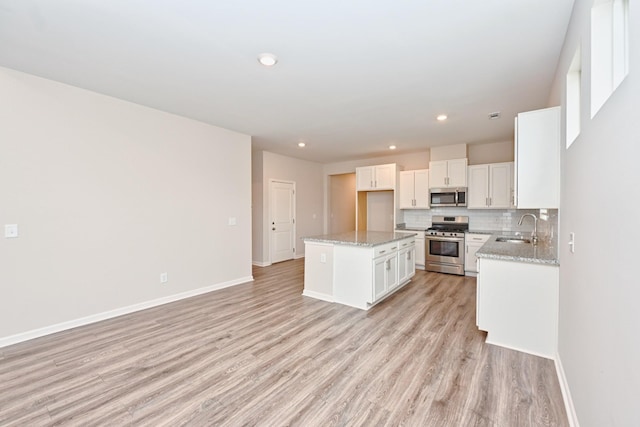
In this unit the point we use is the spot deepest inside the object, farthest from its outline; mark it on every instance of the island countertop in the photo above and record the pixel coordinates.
(543, 253)
(359, 238)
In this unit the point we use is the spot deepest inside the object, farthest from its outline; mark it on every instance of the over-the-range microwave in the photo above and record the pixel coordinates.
(448, 197)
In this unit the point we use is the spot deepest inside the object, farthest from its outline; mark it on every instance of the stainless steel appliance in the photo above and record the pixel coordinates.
(444, 244)
(448, 196)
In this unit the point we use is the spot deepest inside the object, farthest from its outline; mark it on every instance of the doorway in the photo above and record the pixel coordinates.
(342, 203)
(282, 227)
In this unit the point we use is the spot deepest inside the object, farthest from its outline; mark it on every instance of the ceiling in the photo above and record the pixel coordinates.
(352, 77)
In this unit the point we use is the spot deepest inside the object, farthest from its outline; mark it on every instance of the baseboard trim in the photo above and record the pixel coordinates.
(59, 327)
(298, 256)
(566, 393)
(318, 295)
(261, 264)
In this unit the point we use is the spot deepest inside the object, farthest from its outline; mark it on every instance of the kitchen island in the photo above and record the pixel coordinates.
(517, 295)
(358, 268)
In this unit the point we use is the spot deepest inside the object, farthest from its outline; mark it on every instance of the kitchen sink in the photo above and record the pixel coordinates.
(512, 239)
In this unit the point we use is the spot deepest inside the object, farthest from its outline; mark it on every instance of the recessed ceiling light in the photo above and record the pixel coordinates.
(301, 144)
(392, 147)
(267, 59)
(441, 117)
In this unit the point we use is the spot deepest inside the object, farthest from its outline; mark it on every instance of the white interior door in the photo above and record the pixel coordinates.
(282, 221)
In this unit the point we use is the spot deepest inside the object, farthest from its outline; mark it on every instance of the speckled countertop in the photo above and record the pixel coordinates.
(359, 238)
(542, 253)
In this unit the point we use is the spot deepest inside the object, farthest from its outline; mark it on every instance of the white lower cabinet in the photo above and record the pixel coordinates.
(517, 304)
(473, 242)
(406, 261)
(419, 258)
(385, 275)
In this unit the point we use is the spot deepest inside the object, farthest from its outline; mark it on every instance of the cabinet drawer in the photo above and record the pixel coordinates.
(385, 249)
(480, 238)
(404, 243)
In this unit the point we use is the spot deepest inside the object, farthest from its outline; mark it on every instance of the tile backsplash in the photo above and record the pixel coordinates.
(488, 219)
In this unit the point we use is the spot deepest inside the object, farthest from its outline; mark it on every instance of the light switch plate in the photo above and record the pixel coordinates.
(233, 220)
(10, 231)
(572, 242)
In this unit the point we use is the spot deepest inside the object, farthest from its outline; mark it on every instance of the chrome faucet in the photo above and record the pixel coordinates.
(534, 234)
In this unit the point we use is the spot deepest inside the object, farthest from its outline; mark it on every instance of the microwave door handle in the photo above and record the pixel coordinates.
(456, 200)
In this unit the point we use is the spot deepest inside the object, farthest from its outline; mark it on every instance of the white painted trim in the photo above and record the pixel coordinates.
(59, 327)
(318, 295)
(566, 393)
(261, 264)
(298, 256)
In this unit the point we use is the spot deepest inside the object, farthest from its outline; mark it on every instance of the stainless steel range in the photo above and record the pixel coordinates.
(444, 244)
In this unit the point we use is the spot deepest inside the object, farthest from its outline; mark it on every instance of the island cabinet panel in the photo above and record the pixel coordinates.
(318, 271)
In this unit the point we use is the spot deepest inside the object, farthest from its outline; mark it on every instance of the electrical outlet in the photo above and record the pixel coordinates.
(164, 278)
(10, 231)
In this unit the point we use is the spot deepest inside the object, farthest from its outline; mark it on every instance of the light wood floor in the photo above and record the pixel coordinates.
(261, 354)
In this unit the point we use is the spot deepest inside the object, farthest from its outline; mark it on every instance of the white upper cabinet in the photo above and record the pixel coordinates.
(490, 186)
(380, 177)
(537, 165)
(414, 189)
(448, 173)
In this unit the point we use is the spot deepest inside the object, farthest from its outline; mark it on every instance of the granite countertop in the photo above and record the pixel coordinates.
(411, 228)
(542, 253)
(359, 238)
(483, 231)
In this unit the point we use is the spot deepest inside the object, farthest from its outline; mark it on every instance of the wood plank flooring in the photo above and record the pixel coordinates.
(261, 354)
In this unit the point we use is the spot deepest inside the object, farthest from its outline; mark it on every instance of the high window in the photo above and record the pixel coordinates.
(609, 49)
(574, 76)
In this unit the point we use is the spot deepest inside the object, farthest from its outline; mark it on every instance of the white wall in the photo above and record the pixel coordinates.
(410, 161)
(491, 152)
(257, 206)
(599, 339)
(309, 199)
(108, 195)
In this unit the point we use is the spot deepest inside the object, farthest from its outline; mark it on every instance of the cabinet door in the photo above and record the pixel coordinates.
(470, 259)
(437, 174)
(364, 178)
(403, 267)
(385, 177)
(379, 277)
(499, 185)
(420, 252)
(421, 189)
(478, 190)
(538, 159)
(457, 173)
(411, 262)
(407, 190)
(392, 271)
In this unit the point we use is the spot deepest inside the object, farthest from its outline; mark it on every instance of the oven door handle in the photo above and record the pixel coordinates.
(446, 239)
